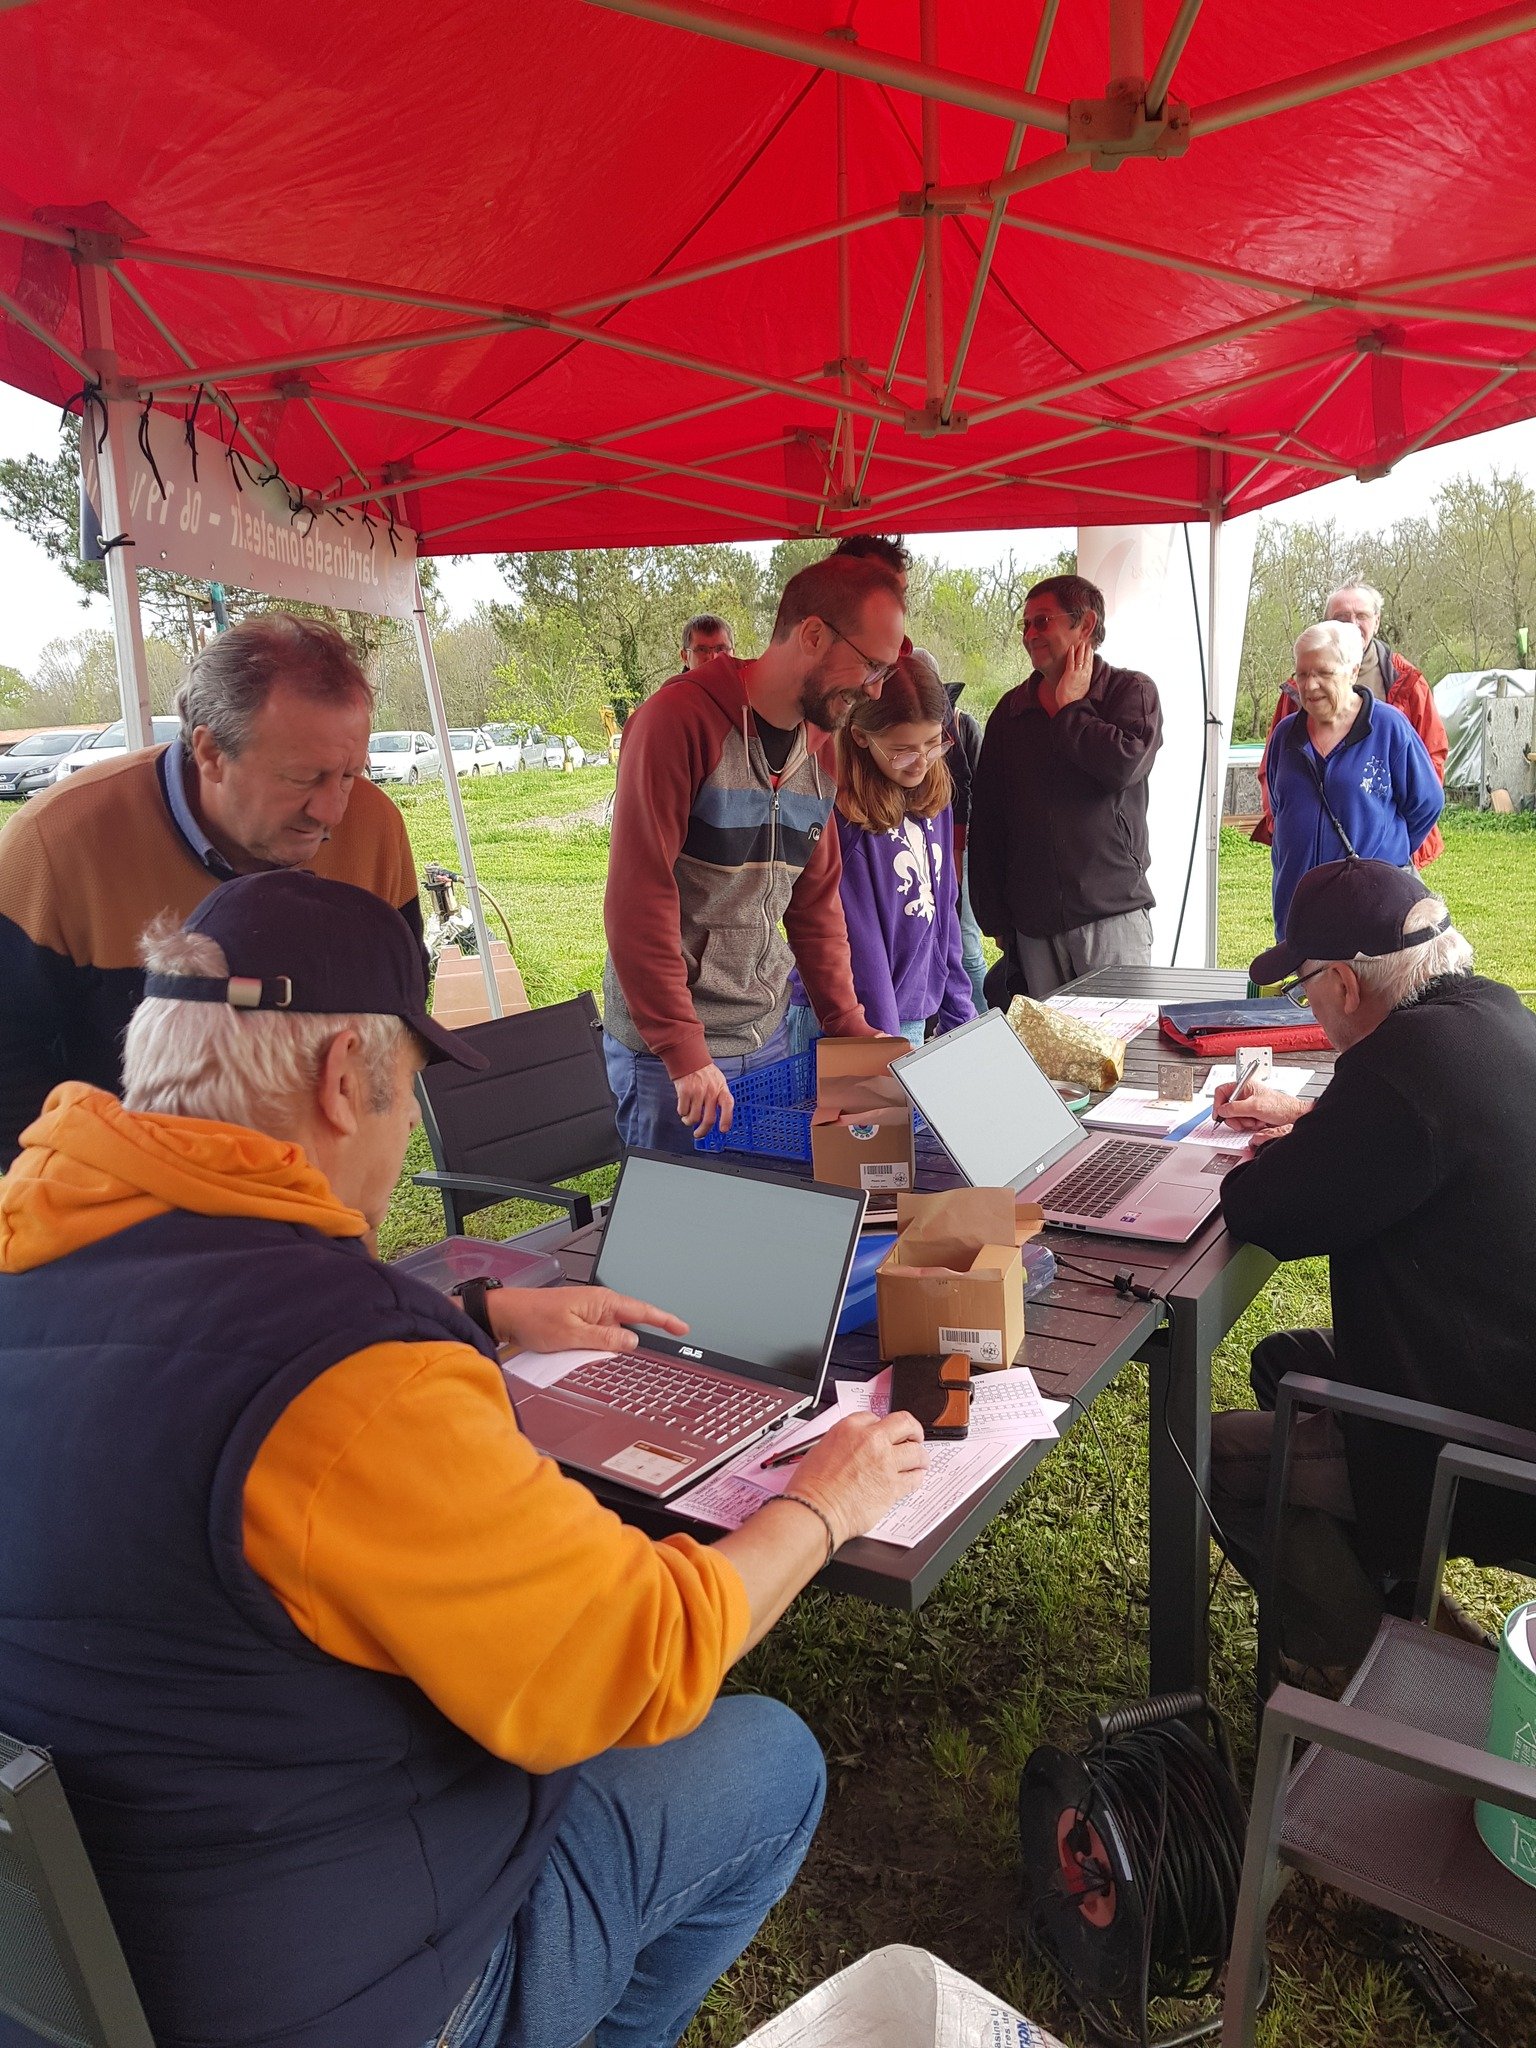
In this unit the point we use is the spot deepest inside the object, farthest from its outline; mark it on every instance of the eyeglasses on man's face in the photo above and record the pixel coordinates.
(1041, 622)
(877, 670)
(1300, 980)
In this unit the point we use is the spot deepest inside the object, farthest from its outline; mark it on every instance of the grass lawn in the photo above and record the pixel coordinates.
(926, 1719)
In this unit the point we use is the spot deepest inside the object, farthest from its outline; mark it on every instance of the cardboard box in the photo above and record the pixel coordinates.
(974, 1302)
(861, 1130)
(458, 989)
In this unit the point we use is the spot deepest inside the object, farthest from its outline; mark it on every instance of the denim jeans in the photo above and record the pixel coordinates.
(645, 1100)
(971, 956)
(800, 1022)
(665, 1866)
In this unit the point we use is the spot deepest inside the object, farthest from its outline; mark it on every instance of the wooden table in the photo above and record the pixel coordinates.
(1080, 1335)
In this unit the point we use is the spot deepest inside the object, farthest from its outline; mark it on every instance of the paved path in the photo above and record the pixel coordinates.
(594, 814)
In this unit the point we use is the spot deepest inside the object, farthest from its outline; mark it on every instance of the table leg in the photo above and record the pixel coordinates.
(1179, 1456)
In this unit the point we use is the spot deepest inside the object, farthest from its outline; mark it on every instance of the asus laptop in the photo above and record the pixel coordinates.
(1004, 1126)
(756, 1264)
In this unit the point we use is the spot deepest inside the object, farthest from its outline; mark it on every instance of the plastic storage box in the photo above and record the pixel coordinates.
(471, 1258)
(774, 1105)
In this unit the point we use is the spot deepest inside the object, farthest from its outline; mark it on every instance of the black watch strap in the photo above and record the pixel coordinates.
(472, 1295)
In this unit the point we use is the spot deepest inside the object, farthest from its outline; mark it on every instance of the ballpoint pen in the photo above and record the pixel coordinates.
(786, 1457)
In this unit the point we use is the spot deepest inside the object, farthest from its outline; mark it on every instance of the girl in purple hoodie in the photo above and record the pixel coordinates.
(899, 886)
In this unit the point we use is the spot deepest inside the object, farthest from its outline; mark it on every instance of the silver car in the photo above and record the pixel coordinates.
(403, 757)
(112, 744)
(33, 763)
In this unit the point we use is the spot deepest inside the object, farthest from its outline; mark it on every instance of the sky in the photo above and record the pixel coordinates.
(38, 603)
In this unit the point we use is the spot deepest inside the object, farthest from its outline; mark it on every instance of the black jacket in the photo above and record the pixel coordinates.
(1058, 834)
(963, 755)
(1416, 1175)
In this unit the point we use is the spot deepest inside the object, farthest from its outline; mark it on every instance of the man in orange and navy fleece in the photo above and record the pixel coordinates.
(378, 1730)
(269, 772)
(726, 783)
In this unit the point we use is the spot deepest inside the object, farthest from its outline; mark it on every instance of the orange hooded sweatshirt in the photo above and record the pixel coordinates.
(394, 1509)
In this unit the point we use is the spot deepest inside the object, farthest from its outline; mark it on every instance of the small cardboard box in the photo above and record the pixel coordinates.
(458, 989)
(861, 1132)
(954, 1280)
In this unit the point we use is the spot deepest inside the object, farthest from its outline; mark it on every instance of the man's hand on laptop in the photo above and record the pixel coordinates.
(703, 1099)
(573, 1318)
(1269, 1111)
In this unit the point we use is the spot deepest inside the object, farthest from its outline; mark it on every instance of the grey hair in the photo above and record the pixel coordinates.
(1378, 602)
(707, 622)
(1343, 636)
(1403, 977)
(251, 1067)
(230, 679)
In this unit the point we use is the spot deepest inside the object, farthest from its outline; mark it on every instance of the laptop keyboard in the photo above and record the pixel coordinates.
(1094, 1188)
(657, 1389)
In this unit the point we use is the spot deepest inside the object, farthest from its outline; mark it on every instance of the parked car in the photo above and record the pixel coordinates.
(111, 745)
(32, 763)
(474, 751)
(541, 751)
(510, 740)
(403, 757)
(576, 755)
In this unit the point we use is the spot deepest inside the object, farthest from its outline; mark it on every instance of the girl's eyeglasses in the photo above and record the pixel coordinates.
(909, 757)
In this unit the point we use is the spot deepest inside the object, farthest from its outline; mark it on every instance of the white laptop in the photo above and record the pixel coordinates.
(1004, 1126)
(756, 1264)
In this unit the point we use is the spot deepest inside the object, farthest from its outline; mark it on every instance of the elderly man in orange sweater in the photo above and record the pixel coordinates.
(379, 1731)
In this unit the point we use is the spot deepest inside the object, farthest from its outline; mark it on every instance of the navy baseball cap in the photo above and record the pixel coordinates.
(1344, 908)
(297, 942)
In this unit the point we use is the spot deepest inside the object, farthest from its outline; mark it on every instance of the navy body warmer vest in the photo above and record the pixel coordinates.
(294, 1850)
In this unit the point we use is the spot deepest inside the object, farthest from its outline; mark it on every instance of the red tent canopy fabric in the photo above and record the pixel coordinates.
(493, 256)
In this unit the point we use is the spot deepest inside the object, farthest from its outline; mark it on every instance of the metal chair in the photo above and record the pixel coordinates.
(542, 1112)
(1381, 1805)
(1301, 1391)
(62, 1974)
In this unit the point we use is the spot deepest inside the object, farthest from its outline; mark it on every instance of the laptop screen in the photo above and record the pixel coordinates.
(994, 1112)
(754, 1263)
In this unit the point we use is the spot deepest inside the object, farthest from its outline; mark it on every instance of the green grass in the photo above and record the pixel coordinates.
(926, 1719)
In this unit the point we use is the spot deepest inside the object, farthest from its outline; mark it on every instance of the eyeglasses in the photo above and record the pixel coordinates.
(1036, 622)
(1300, 980)
(908, 757)
(878, 670)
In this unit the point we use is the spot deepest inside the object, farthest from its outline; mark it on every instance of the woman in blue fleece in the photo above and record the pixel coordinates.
(1347, 773)
(899, 887)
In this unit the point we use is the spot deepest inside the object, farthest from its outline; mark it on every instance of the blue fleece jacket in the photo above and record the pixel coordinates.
(1379, 783)
(900, 898)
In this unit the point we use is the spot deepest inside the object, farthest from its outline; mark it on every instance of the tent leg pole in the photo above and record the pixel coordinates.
(455, 797)
(1215, 730)
(111, 471)
(933, 247)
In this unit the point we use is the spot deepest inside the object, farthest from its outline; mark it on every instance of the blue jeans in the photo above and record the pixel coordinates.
(803, 1029)
(645, 1099)
(665, 1866)
(971, 956)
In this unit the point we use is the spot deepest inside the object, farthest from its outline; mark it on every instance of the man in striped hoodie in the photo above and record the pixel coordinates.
(720, 838)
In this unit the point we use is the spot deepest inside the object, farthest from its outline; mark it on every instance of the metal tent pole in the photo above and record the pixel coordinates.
(1215, 729)
(455, 797)
(111, 472)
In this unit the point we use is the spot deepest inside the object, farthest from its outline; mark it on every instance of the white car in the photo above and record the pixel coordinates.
(509, 740)
(111, 745)
(403, 757)
(474, 751)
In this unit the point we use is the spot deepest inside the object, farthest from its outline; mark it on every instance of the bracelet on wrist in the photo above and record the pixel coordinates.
(821, 1515)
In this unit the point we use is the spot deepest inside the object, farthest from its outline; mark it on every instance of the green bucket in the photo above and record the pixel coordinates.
(1512, 1735)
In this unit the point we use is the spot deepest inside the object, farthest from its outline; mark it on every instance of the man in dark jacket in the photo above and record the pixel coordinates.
(1058, 835)
(1415, 1172)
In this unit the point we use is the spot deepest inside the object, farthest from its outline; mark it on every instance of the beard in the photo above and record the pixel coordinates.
(823, 706)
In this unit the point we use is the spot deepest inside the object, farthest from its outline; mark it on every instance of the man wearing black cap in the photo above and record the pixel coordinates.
(378, 1730)
(1415, 1172)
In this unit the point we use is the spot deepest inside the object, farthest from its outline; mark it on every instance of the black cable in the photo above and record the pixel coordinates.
(1205, 724)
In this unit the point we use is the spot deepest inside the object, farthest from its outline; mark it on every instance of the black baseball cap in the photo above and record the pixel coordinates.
(1344, 908)
(297, 942)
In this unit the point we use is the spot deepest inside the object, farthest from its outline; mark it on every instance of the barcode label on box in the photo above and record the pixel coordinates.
(981, 1347)
(894, 1174)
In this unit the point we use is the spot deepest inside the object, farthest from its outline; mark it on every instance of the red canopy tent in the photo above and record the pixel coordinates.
(568, 274)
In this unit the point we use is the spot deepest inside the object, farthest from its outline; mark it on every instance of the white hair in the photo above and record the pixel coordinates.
(1378, 602)
(251, 1067)
(1403, 977)
(1341, 637)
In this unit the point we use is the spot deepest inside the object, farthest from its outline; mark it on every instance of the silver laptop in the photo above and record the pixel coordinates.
(756, 1264)
(1004, 1126)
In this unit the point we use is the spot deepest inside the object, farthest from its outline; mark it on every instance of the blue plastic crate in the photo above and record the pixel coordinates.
(773, 1111)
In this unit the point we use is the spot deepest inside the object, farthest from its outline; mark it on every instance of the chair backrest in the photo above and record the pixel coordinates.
(541, 1111)
(62, 1974)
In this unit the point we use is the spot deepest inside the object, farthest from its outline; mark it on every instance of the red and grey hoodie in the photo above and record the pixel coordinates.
(712, 854)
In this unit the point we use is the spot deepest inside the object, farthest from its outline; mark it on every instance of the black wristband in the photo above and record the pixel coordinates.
(800, 1501)
(472, 1295)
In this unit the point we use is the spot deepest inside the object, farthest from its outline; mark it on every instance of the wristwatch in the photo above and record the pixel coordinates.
(472, 1295)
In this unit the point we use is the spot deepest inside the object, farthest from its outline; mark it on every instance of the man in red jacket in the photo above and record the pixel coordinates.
(1387, 675)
